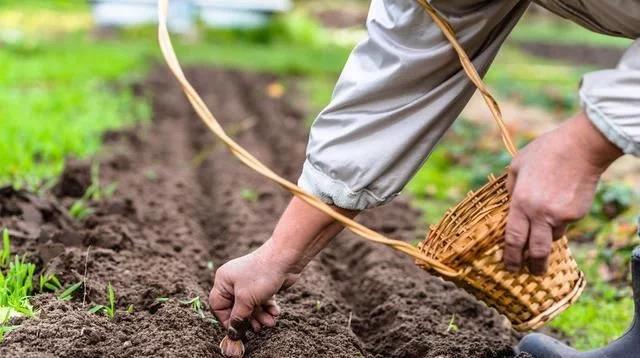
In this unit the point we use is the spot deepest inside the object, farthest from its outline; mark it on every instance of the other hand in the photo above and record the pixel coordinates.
(552, 182)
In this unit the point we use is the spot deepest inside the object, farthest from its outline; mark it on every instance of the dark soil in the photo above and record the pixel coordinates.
(598, 56)
(178, 206)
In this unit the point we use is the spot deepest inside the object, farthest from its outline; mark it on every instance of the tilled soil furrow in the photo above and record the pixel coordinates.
(374, 301)
(183, 204)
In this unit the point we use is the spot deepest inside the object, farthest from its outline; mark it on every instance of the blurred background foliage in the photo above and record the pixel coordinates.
(64, 82)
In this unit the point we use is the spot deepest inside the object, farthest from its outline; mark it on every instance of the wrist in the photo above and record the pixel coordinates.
(590, 144)
(281, 257)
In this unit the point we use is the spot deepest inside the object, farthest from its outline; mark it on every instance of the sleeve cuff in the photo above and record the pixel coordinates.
(335, 192)
(607, 127)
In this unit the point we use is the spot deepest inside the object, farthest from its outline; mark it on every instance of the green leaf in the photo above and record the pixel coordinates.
(6, 248)
(97, 308)
(67, 294)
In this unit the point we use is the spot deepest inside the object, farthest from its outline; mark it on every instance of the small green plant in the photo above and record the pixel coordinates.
(130, 309)
(67, 294)
(80, 209)
(452, 327)
(210, 265)
(6, 249)
(110, 309)
(162, 299)
(4, 330)
(318, 305)
(249, 194)
(151, 174)
(196, 305)
(16, 280)
(96, 191)
(49, 282)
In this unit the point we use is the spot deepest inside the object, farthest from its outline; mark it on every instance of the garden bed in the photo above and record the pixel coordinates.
(183, 206)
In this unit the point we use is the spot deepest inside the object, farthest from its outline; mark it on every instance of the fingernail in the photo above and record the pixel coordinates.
(513, 268)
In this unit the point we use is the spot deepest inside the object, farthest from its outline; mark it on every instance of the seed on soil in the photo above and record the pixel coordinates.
(231, 348)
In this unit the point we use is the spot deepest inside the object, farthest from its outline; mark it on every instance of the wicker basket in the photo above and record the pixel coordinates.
(469, 240)
(470, 237)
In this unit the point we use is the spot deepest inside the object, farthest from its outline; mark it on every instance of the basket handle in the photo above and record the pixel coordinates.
(252, 162)
(472, 73)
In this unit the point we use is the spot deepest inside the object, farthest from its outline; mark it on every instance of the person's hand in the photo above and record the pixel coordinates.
(552, 182)
(245, 288)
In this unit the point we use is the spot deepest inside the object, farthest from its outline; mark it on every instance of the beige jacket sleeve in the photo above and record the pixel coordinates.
(402, 87)
(399, 91)
(611, 99)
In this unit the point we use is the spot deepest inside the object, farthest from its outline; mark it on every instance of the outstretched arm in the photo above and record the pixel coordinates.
(401, 89)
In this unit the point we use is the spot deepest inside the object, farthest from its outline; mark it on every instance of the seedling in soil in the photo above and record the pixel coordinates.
(151, 174)
(110, 309)
(249, 195)
(96, 191)
(6, 249)
(130, 309)
(80, 209)
(210, 265)
(16, 279)
(4, 330)
(318, 305)
(162, 299)
(49, 282)
(67, 294)
(452, 327)
(196, 305)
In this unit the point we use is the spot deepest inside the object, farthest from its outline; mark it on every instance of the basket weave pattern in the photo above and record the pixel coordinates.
(470, 238)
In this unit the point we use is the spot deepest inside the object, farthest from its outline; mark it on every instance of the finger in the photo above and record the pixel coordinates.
(512, 174)
(242, 309)
(516, 234)
(271, 306)
(220, 302)
(559, 231)
(539, 247)
(238, 329)
(263, 317)
(255, 325)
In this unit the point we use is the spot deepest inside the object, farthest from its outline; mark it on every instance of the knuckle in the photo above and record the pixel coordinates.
(514, 242)
(539, 251)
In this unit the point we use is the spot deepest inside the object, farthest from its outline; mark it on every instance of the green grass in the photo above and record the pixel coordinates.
(60, 93)
(534, 81)
(16, 285)
(601, 314)
(58, 98)
(557, 31)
